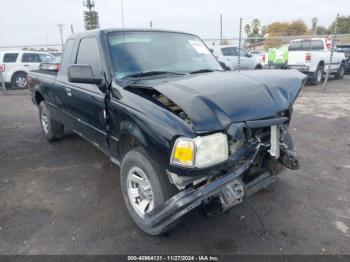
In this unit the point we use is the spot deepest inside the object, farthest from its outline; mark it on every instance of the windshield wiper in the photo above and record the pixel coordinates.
(204, 71)
(152, 73)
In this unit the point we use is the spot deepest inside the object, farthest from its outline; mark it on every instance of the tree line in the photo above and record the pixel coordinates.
(257, 32)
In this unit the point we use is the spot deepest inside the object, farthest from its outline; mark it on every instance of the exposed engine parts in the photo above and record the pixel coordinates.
(171, 106)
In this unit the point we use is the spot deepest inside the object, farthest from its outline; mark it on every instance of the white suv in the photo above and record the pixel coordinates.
(229, 56)
(17, 64)
(311, 56)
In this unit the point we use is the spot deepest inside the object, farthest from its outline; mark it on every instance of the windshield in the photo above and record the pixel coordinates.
(344, 49)
(140, 52)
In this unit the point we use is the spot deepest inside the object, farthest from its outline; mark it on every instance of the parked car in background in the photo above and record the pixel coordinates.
(57, 55)
(262, 57)
(278, 57)
(229, 56)
(345, 48)
(184, 131)
(18, 63)
(312, 56)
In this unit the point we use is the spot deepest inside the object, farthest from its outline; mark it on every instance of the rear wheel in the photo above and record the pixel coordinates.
(341, 72)
(144, 185)
(52, 129)
(19, 80)
(316, 77)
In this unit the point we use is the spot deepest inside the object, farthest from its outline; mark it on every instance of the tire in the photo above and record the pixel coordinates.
(19, 80)
(137, 160)
(316, 77)
(258, 67)
(273, 164)
(51, 128)
(341, 72)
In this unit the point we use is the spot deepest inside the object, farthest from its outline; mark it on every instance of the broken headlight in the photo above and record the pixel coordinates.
(201, 151)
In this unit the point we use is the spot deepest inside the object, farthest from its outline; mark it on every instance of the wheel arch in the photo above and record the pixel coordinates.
(321, 63)
(38, 97)
(130, 136)
(17, 72)
(258, 66)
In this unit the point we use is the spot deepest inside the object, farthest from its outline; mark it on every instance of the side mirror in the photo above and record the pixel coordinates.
(83, 74)
(249, 55)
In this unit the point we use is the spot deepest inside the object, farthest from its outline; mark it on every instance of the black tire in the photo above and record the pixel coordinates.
(316, 77)
(258, 67)
(341, 72)
(158, 179)
(51, 128)
(273, 164)
(19, 80)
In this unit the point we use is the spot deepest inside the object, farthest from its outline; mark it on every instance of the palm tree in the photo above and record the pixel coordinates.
(247, 29)
(314, 23)
(256, 26)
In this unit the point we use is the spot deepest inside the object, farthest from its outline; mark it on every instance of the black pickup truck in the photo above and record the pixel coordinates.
(184, 132)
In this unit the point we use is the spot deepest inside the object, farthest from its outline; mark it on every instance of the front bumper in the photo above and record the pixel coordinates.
(190, 198)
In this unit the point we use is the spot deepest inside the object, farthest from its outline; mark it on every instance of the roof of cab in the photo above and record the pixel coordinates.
(109, 30)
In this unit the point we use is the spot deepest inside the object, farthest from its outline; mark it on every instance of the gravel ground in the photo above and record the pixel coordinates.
(65, 198)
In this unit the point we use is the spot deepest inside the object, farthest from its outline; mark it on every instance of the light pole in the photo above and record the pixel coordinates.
(122, 7)
(60, 26)
(221, 29)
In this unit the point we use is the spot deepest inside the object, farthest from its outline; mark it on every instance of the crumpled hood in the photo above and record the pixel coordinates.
(214, 100)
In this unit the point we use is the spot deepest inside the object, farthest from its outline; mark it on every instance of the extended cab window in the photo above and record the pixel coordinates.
(10, 58)
(67, 54)
(31, 58)
(89, 54)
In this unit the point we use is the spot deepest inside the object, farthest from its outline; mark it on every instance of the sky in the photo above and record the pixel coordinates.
(34, 22)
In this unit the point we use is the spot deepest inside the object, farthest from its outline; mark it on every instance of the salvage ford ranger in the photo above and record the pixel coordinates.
(184, 132)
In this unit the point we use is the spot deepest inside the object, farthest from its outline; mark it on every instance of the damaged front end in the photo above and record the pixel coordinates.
(256, 148)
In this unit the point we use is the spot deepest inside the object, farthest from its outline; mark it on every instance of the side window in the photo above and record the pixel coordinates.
(89, 54)
(10, 58)
(46, 58)
(316, 45)
(243, 52)
(229, 51)
(31, 58)
(67, 54)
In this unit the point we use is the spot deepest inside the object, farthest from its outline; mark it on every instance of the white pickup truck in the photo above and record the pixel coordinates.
(311, 56)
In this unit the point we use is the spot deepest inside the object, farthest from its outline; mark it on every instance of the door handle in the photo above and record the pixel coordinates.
(26, 65)
(69, 91)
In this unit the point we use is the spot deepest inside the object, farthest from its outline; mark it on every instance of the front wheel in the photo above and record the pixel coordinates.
(144, 185)
(51, 128)
(316, 77)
